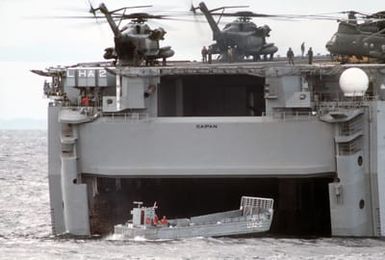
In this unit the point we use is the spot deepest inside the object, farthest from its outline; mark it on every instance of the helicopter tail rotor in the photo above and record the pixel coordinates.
(92, 9)
(193, 8)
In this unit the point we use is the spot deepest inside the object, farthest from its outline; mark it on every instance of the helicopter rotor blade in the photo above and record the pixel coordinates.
(147, 16)
(243, 14)
(66, 17)
(129, 7)
(352, 12)
(228, 7)
(278, 16)
(182, 20)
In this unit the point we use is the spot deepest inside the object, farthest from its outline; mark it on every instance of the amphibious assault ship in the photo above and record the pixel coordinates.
(202, 135)
(195, 137)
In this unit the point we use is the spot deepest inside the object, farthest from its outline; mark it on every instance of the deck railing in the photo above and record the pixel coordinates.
(97, 111)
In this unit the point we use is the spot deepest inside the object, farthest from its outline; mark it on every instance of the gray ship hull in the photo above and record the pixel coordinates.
(266, 129)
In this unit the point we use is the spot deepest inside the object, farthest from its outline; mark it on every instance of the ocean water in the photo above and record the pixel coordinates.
(25, 226)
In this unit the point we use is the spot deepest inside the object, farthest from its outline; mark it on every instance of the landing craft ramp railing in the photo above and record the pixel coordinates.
(255, 205)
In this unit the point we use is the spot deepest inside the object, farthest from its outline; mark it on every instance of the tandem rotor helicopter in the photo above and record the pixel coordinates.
(242, 37)
(361, 40)
(135, 42)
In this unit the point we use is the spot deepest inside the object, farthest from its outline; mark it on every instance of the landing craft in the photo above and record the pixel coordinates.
(242, 37)
(362, 40)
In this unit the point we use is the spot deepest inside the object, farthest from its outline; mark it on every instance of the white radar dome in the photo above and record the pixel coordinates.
(354, 82)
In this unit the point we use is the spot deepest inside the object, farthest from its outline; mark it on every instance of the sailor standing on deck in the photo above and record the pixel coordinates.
(290, 56)
(210, 55)
(310, 55)
(302, 49)
(204, 53)
(230, 54)
(85, 101)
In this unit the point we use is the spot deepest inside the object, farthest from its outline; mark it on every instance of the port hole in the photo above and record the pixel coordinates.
(362, 204)
(360, 160)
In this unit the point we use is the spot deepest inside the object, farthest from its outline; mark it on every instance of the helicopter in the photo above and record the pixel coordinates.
(135, 42)
(239, 39)
(364, 41)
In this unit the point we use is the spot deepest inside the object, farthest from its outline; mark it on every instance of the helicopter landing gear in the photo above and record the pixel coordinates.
(151, 62)
(256, 58)
(154, 62)
(352, 59)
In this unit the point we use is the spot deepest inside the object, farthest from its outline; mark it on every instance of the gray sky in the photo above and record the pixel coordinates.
(28, 43)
